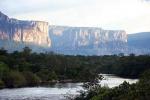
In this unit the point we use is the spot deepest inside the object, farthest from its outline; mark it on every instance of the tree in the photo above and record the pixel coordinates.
(2, 85)
(14, 79)
(31, 78)
(52, 76)
(3, 51)
(121, 54)
(3, 69)
(26, 51)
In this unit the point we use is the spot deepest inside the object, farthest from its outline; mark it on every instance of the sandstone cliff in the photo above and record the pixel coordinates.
(87, 40)
(40, 37)
(26, 32)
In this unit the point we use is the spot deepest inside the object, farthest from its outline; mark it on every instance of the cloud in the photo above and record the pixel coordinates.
(24, 6)
(146, 0)
(110, 14)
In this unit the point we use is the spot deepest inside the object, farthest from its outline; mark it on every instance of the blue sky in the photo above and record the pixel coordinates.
(130, 15)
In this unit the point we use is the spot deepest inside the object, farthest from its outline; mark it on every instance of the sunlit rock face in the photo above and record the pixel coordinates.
(40, 37)
(87, 40)
(25, 32)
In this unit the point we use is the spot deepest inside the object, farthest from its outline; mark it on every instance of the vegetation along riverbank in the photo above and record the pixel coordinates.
(25, 68)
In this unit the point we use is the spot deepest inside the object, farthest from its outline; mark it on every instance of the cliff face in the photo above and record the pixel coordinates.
(87, 39)
(27, 32)
(16, 34)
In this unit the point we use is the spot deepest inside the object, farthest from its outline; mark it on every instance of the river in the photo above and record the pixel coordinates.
(58, 91)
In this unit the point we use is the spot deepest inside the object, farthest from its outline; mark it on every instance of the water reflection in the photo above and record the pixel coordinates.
(56, 91)
(112, 81)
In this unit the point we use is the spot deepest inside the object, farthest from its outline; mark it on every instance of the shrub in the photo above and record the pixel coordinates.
(31, 78)
(2, 85)
(14, 79)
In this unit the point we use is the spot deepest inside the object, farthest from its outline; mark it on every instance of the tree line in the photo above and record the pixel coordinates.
(27, 68)
(125, 91)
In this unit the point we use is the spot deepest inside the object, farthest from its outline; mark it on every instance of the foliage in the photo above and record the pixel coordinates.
(125, 91)
(3, 69)
(27, 68)
(14, 79)
(2, 85)
(31, 79)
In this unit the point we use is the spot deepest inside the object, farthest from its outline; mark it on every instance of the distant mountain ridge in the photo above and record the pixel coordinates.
(139, 43)
(139, 40)
(42, 37)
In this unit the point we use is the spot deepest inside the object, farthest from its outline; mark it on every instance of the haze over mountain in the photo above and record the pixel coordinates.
(139, 42)
(42, 37)
(87, 40)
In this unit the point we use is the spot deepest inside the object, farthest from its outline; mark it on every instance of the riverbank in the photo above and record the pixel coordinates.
(107, 79)
(125, 91)
(25, 68)
(46, 84)
(56, 91)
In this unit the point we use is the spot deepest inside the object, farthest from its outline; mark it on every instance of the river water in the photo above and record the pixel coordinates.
(58, 91)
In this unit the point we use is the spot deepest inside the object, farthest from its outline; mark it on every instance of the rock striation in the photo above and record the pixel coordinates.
(25, 32)
(87, 40)
(40, 37)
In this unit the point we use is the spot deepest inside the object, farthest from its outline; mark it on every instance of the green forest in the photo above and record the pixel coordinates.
(125, 91)
(27, 68)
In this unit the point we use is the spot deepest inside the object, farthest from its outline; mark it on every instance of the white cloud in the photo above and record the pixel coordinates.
(131, 15)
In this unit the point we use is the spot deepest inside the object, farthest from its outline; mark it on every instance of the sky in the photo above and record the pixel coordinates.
(130, 15)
